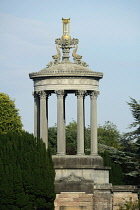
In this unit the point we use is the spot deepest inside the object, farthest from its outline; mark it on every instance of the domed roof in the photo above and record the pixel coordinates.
(66, 69)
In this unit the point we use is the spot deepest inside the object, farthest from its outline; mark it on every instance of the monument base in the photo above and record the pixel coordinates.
(82, 183)
(76, 173)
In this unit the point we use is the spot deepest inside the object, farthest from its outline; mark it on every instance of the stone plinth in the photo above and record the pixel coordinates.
(77, 174)
(76, 161)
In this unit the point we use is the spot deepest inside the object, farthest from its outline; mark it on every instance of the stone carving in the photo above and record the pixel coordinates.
(94, 94)
(58, 55)
(56, 58)
(60, 93)
(72, 178)
(80, 62)
(66, 42)
(76, 56)
(41, 94)
(66, 45)
(80, 93)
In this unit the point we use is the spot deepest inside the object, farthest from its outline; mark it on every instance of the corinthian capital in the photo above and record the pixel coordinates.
(35, 94)
(94, 94)
(60, 93)
(42, 94)
(80, 93)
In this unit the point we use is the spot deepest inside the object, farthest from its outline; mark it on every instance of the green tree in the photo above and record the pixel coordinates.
(26, 173)
(130, 147)
(116, 176)
(10, 121)
(135, 110)
(71, 138)
(109, 135)
(52, 139)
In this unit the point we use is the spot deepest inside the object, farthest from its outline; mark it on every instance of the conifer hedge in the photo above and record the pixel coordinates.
(26, 173)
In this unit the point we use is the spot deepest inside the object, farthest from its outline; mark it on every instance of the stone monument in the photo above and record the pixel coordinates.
(82, 181)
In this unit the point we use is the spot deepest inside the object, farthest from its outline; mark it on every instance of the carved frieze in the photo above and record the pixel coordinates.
(72, 178)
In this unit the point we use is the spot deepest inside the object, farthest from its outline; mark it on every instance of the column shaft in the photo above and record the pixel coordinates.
(61, 142)
(93, 122)
(36, 115)
(80, 122)
(44, 117)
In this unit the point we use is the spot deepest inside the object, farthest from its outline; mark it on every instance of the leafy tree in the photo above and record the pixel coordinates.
(26, 173)
(52, 139)
(71, 138)
(10, 120)
(135, 110)
(116, 176)
(128, 157)
(130, 147)
(109, 135)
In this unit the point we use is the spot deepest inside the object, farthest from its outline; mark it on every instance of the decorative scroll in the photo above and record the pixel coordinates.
(77, 58)
(58, 55)
(56, 58)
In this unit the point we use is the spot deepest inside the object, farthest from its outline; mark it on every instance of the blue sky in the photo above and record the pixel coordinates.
(109, 41)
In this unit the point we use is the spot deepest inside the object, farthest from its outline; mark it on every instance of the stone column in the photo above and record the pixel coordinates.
(64, 128)
(44, 117)
(36, 114)
(61, 142)
(80, 122)
(93, 122)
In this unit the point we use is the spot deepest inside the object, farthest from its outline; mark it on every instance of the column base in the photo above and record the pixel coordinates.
(61, 154)
(80, 154)
(94, 154)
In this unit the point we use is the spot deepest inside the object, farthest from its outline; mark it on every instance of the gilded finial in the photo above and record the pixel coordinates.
(66, 28)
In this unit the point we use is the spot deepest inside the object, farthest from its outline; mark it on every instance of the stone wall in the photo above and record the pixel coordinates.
(121, 194)
(104, 197)
(74, 201)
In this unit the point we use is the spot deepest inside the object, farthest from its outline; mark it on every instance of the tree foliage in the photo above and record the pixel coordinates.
(52, 139)
(130, 147)
(26, 173)
(129, 205)
(10, 121)
(135, 110)
(116, 176)
(109, 135)
(71, 138)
